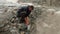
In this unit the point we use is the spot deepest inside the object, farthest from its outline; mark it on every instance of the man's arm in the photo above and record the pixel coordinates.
(27, 20)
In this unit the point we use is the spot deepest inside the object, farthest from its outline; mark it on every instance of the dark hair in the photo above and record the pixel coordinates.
(31, 7)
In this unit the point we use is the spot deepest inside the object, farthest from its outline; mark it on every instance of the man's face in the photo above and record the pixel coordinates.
(30, 8)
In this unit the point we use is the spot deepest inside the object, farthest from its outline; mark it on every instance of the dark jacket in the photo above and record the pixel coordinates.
(23, 11)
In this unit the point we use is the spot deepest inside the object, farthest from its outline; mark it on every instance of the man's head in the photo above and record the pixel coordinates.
(30, 8)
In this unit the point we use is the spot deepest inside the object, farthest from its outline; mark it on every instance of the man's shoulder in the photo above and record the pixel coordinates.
(23, 8)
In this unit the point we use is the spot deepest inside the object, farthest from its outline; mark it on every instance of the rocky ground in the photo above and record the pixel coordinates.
(44, 19)
(48, 21)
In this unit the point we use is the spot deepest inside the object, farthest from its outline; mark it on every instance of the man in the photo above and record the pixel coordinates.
(24, 12)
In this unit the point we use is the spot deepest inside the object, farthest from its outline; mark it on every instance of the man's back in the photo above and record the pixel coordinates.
(23, 10)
